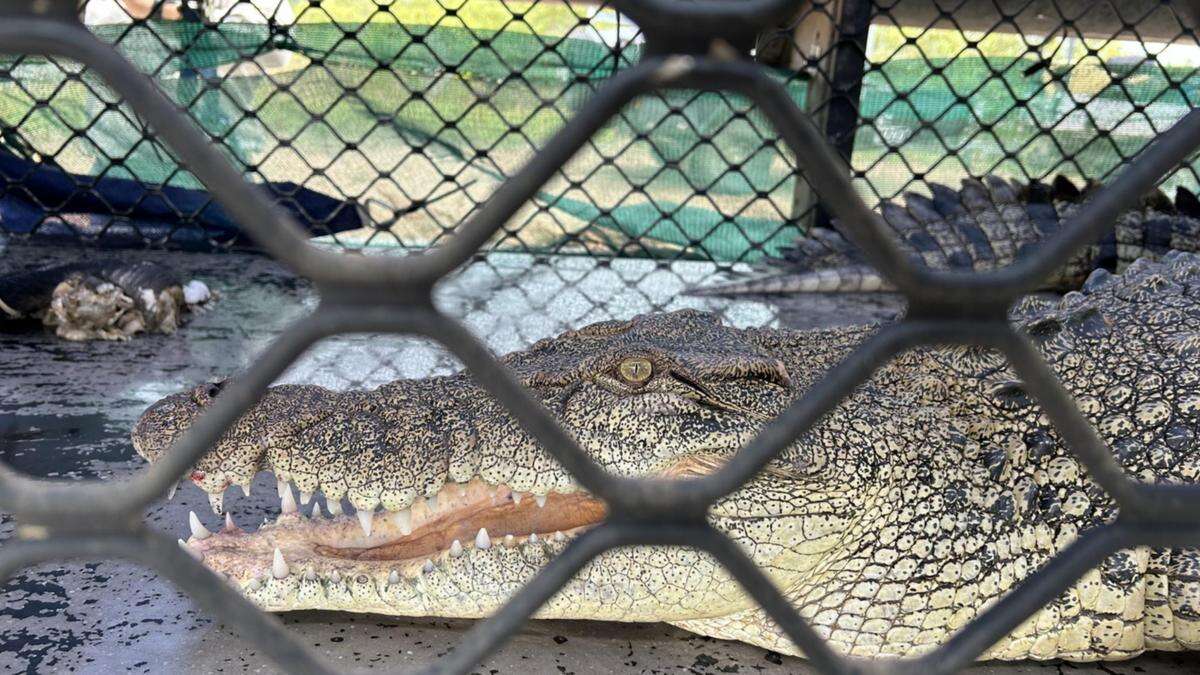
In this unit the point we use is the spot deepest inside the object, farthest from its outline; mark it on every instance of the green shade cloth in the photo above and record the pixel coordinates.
(388, 114)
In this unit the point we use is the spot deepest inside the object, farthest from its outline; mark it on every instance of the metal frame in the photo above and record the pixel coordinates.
(63, 519)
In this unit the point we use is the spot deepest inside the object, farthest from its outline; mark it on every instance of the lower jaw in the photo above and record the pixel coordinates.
(328, 563)
(465, 522)
(472, 583)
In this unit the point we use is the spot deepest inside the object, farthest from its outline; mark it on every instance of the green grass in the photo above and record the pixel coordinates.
(543, 18)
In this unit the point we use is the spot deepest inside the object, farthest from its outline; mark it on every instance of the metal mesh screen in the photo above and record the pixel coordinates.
(659, 76)
(387, 124)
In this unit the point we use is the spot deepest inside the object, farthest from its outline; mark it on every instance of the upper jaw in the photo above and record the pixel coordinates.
(152, 435)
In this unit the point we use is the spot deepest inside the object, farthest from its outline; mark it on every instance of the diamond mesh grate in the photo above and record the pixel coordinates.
(395, 295)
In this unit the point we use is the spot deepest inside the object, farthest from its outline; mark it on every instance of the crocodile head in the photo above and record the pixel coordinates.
(456, 505)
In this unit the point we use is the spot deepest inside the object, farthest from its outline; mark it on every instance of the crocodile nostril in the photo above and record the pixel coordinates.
(1011, 395)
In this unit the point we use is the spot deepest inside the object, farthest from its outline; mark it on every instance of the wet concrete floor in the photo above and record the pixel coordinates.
(66, 410)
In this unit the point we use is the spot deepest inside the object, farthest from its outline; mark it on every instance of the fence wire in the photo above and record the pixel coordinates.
(387, 124)
(59, 519)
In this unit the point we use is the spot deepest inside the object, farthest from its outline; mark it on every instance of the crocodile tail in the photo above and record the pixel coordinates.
(854, 279)
(1161, 225)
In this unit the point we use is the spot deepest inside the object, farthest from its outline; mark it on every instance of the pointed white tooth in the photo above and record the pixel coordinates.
(516, 497)
(171, 492)
(509, 540)
(394, 577)
(482, 540)
(559, 536)
(310, 575)
(305, 497)
(540, 499)
(365, 519)
(456, 548)
(279, 566)
(230, 526)
(217, 503)
(192, 550)
(533, 538)
(336, 577)
(254, 585)
(427, 567)
(403, 520)
(334, 506)
(287, 503)
(316, 512)
(432, 502)
(245, 489)
(281, 485)
(199, 531)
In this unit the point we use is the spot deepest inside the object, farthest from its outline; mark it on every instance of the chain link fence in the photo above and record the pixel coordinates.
(602, 130)
(387, 124)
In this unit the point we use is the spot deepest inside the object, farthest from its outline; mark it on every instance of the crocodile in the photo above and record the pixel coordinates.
(102, 299)
(906, 511)
(986, 224)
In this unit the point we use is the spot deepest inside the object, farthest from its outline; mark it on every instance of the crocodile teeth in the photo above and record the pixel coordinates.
(305, 497)
(533, 538)
(288, 502)
(394, 577)
(316, 512)
(245, 489)
(336, 577)
(364, 519)
(198, 529)
(281, 486)
(279, 566)
(253, 585)
(334, 506)
(432, 501)
(509, 540)
(171, 492)
(427, 567)
(516, 497)
(456, 549)
(192, 551)
(216, 502)
(310, 575)
(403, 520)
(559, 536)
(230, 526)
(482, 540)
(540, 499)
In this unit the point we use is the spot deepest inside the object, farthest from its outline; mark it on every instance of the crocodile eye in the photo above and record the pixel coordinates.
(636, 370)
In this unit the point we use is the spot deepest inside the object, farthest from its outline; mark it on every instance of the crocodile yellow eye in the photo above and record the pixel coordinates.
(636, 370)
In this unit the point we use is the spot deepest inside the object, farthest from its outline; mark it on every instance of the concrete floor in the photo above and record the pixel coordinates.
(66, 408)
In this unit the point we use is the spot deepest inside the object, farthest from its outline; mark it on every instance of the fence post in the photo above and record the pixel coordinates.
(829, 43)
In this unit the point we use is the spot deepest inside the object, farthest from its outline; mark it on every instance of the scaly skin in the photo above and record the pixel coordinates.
(910, 508)
(985, 225)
